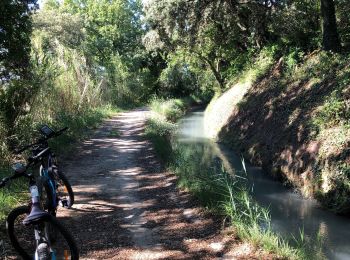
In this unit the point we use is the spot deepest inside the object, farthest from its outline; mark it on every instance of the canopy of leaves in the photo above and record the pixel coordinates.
(15, 28)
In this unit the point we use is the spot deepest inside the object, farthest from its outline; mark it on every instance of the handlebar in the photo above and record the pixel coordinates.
(32, 160)
(25, 148)
(4, 181)
(41, 140)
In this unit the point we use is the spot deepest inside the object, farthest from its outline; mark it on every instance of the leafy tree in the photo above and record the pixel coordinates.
(15, 29)
(111, 42)
(214, 32)
(15, 70)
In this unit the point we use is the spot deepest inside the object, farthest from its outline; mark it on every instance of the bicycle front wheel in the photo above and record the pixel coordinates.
(64, 190)
(23, 237)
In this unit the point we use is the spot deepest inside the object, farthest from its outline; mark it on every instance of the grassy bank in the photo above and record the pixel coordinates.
(79, 126)
(162, 125)
(218, 111)
(224, 194)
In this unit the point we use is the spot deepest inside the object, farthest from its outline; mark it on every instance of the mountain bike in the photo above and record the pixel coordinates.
(33, 232)
(53, 184)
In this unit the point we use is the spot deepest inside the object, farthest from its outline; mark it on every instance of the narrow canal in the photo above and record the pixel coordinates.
(290, 213)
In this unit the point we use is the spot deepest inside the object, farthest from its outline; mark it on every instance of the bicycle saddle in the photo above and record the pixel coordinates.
(36, 214)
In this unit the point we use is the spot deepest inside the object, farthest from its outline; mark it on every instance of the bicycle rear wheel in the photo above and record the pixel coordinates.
(23, 237)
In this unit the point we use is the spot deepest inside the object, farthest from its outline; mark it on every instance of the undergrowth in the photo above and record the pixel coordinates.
(161, 126)
(330, 125)
(159, 132)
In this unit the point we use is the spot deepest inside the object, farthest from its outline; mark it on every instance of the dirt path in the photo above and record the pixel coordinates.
(127, 207)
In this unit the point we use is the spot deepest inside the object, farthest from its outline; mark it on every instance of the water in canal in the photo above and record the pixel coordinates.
(290, 213)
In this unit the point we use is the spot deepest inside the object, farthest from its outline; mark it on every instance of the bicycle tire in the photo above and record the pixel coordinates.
(25, 210)
(63, 181)
(45, 190)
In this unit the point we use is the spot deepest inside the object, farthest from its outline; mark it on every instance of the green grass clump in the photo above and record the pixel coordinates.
(12, 195)
(159, 131)
(161, 126)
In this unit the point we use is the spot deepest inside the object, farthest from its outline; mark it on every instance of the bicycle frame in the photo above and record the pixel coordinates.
(46, 171)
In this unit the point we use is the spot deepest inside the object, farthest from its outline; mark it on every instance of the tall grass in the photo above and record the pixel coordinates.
(229, 196)
(161, 126)
(11, 196)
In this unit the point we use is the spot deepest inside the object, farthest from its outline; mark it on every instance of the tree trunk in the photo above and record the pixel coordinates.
(331, 41)
(215, 70)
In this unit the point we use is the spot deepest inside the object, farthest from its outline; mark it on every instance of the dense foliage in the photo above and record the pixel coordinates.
(67, 59)
(15, 28)
(220, 38)
(90, 53)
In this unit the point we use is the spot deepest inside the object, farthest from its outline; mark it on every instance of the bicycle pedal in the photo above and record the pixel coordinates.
(64, 203)
(43, 251)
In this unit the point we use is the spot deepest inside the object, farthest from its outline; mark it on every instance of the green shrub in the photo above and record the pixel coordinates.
(293, 58)
(259, 65)
(171, 109)
(159, 131)
(333, 112)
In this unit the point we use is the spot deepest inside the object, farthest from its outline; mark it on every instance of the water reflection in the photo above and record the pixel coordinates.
(289, 211)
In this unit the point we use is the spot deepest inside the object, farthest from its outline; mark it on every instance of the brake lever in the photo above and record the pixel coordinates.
(59, 132)
(4, 181)
(25, 148)
(21, 150)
